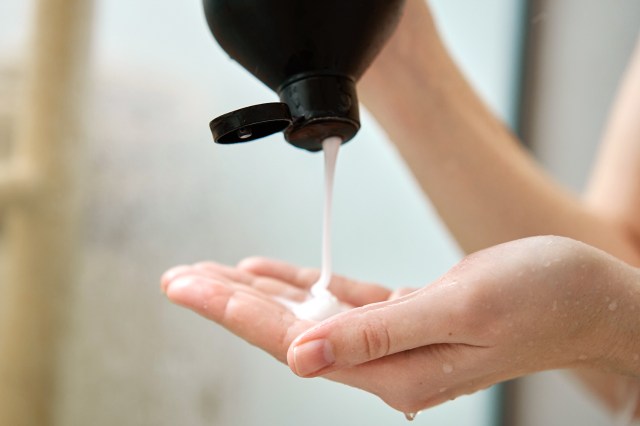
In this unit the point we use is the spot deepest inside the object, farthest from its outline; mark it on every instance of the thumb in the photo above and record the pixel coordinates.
(374, 331)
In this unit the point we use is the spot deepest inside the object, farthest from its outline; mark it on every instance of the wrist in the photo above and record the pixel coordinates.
(620, 329)
(408, 69)
(407, 91)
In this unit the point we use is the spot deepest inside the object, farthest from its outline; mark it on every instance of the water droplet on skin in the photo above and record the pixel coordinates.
(447, 368)
(613, 306)
(582, 357)
(443, 390)
(411, 416)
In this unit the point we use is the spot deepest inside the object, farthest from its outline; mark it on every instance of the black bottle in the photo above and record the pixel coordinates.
(311, 53)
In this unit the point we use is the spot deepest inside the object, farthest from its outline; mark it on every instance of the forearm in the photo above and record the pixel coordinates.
(614, 188)
(483, 184)
(614, 297)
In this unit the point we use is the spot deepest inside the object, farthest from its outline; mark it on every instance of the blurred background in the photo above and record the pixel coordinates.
(111, 102)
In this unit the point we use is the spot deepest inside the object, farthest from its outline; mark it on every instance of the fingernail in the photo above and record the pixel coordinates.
(170, 275)
(312, 356)
(179, 284)
(188, 291)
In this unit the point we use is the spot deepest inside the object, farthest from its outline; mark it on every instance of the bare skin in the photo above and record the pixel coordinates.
(486, 188)
(579, 311)
(500, 313)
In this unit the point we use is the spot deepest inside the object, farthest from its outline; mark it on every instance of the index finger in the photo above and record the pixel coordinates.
(244, 311)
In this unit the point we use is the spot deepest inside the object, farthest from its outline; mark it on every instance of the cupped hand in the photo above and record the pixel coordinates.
(530, 305)
(244, 299)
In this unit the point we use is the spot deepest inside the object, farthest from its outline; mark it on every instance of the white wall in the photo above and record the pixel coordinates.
(160, 193)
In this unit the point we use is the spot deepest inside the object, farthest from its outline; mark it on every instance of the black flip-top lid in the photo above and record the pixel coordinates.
(251, 123)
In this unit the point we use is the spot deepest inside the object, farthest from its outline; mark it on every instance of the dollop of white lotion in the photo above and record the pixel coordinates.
(319, 308)
(321, 304)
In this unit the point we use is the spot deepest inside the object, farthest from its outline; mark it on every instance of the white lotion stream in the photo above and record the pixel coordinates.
(321, 304)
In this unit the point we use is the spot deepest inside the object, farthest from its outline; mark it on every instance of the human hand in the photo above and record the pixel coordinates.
(535, 304)
(243, 298)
